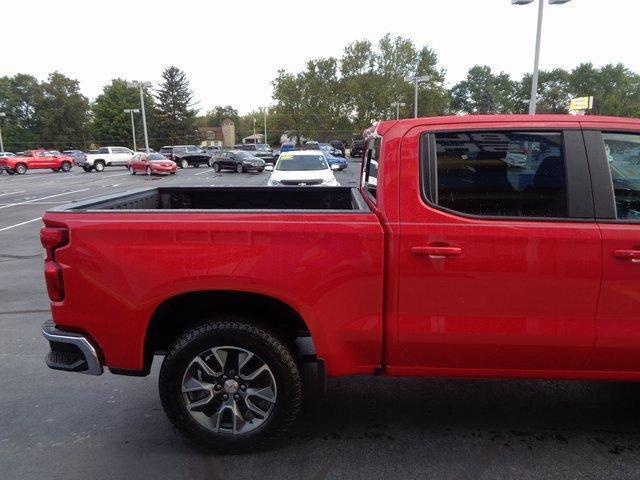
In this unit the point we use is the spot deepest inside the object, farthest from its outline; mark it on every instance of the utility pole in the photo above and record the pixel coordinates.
(398, 105)
(264, 109)
(2, 115)
(133, 125)
(536, 58)
(416, 81)
(142, 86)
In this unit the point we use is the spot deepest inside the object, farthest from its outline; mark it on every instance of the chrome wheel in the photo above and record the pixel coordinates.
(229, 390)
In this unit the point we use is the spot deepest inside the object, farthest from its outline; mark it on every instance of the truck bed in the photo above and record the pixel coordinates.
(235, 199)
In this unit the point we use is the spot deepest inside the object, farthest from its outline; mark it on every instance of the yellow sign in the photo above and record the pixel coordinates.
(581, 103)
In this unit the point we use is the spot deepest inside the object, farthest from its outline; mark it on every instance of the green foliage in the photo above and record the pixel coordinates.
(176, 117)
(19, 97)
(110, 125)
(484, 93)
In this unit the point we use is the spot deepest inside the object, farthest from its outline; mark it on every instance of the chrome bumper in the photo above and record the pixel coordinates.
(70, 352)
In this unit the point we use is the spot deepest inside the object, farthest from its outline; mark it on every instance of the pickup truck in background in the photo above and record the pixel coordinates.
(34, 160)
(105, 157)
(449, 260)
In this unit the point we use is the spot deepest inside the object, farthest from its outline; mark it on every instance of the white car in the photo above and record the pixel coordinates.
(303, 168)
(106, 157)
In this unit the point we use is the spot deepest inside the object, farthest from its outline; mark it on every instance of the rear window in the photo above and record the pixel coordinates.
(514, 174)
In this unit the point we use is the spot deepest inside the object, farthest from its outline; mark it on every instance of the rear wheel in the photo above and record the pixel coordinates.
(21, 169)
(216, 167)
(66, 166)
(99, 166)
(11, 172)
(132, 170)
(87, 169)
(239, 168)
(148, 170)
(184, 164)
(230, 385)
(55, 169)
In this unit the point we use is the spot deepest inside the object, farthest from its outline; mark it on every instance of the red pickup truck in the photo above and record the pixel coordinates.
(480, 246)
(36, 159)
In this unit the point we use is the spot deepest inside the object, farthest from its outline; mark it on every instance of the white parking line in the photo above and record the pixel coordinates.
(20, 224)
(200, 173)
(11, 193)
(43, 198)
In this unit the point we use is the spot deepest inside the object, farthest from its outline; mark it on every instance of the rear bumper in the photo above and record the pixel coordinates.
(70, 352)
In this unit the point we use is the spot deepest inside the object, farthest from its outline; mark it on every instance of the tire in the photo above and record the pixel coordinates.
(196, 165)
(183, 365)
(132, 171)
(55, 169)
(99, 166)
(239, 168)
(184, 164)
(87, 169)
(21, 169)
(216, 167)
(65, 167)
(148, 171)
(11, 172)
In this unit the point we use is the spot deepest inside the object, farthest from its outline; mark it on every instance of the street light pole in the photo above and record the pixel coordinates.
(141, 85)
(398, 105)
(536, 61)
(416, 81)
(265, 124)
(133, 125)
(2, 115)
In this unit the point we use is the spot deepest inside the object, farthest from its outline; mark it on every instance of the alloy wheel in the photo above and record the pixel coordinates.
(229, 390)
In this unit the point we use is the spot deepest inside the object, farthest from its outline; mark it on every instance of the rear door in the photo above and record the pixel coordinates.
(500, 262)
(614, 157)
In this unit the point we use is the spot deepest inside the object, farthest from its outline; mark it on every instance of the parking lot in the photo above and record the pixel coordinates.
(57, 425)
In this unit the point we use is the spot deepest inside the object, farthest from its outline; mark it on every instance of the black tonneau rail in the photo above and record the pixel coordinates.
(226, 199)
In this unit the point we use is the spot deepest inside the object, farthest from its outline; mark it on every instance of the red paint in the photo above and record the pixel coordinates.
(409, 288)
(139, 164)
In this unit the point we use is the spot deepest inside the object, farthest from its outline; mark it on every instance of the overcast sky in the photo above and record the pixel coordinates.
(231, 50)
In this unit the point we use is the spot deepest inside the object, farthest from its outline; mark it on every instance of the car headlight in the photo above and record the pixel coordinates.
(273, 183)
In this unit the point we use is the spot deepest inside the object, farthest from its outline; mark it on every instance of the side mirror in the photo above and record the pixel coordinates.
(335, 167)
(269, 168)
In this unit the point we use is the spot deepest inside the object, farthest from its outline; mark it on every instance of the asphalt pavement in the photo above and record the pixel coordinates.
(57, 425)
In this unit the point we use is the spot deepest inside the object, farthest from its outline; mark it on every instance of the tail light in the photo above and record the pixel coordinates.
(53, 238)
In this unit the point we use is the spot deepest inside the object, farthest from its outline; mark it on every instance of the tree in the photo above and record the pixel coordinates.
(61, 112)
(484, 93)
(19, 97)
(176, 117)
(553, 92)
(110, 125)
(214, 117)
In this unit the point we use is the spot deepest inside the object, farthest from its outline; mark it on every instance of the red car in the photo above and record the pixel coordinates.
(447, 260)
(151, 164)
(36, 159)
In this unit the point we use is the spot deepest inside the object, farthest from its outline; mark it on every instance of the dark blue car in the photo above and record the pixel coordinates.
(333, 160)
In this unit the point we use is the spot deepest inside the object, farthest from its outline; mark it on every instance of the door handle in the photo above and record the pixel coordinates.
(624, 254)
(437, 251)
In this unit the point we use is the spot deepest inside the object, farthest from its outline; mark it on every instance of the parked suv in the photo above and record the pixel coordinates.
(357, 148)
(185, 155)
(105, 157)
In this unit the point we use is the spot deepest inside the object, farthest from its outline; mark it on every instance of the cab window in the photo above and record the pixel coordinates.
(370, 173)
(500, 174)
(623, 155)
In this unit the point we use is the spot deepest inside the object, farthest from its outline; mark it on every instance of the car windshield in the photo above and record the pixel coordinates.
(261, 146)
(291, 163)
(243, 155)
(155, 156)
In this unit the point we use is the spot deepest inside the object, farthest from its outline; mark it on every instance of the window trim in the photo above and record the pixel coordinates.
(365, 171)
(580, 200)
(602, 182)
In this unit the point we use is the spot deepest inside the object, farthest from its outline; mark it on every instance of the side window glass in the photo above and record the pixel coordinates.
(370, 173)
(514, 174)
(623, 154)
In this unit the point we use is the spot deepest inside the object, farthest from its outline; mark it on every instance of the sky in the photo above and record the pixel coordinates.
(232, 50)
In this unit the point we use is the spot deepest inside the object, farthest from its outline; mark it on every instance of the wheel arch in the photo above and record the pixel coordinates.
(181, 312)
